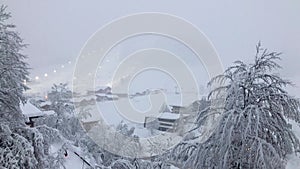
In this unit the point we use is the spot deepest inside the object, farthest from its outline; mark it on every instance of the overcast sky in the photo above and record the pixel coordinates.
(57, 30)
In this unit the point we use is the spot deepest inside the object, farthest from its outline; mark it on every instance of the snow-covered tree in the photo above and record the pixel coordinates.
(64, 119)
(253, 131)
(20, 146)
(13, 70)
(64, 127)
(60, 97)
(123, 128)
(15, 150)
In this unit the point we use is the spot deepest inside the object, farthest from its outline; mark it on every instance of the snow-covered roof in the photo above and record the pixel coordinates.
(167, 115)
(45, 103)
(29, 110)
(107, 95)
(48, 112)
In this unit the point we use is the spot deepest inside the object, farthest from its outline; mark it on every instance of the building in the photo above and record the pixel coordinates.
(174, 118)
(45, 105)
(177, 109)
(31, 112)
(168, 122)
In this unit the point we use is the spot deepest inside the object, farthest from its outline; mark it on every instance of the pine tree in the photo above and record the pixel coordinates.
(20, 146)
(13, 70)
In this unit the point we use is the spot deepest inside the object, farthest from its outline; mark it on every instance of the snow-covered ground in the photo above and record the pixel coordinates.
(71, 160)
(111, 115)
(107, 110)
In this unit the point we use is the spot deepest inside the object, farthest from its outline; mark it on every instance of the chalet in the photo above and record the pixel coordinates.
(31, 112)
(177, 109)
(168, 121)
(172, 118)
(45, 105)
(165, 122)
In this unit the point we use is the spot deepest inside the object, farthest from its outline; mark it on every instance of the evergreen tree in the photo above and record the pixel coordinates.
(20, 146)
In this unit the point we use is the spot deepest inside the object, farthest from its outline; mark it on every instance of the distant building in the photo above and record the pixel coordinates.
(106, 97)
(106, 90)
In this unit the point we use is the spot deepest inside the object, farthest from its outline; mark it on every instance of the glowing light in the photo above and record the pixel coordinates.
(46, 97)
(24, 81)
(69, 62)
(62, 66)
(54, 71)
(37, 78)
(46, 75)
